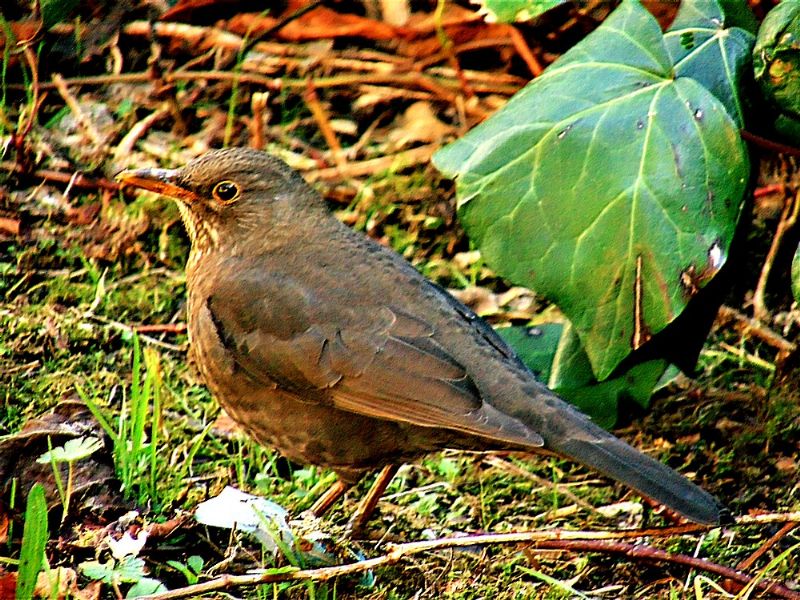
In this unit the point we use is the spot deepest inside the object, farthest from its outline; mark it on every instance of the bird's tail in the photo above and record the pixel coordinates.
(585, 442)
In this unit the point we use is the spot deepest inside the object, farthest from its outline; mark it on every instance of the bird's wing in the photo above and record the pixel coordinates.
(386, 365)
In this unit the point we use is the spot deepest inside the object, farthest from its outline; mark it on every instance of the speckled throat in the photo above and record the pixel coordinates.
(202, 232)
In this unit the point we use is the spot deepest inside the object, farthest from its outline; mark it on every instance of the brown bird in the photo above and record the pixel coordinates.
(337, 352)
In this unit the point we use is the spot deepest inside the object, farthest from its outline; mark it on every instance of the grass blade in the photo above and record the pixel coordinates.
(34, 537)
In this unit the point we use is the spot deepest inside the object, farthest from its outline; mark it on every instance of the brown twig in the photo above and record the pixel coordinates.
(137, 131)
(391, 93)
(433, 59)
(230, 77)
(80, 117)
(594, 541)
(481, 80)
(788, 220)
(438, 82)
(766, 190)
(91, 80)
(280, 24)
(365, 168)
(769, 144)
(127, 328)
(30, 110)
(72, 179)
(447, 47)
(161, 328)
(650, 554)
(524, 51)
(258, 106)
(314, 105)
(746, 325)
(763, 548)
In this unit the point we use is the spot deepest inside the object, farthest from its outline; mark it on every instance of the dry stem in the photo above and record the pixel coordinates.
(587, 541)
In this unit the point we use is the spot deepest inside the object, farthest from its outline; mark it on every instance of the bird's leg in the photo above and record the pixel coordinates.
(327, 499)
(367, 505)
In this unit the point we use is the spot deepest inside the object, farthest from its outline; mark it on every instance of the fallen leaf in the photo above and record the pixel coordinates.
(8, 584)
(66, 421)
(8, 225)
(319, 23)
(418, 123)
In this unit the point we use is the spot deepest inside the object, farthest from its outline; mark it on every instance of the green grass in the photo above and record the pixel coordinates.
(34, 538)
(135, 453)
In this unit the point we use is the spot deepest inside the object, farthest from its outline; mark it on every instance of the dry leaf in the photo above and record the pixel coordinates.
(62, 583)
(418, 124)
(320, 23)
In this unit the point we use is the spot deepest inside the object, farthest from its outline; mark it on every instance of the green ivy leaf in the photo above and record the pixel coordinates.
(776, 67)
(607, 184)
(508, 11)
(704, 44)
(572, 378)
(536, 346)
(796, 275)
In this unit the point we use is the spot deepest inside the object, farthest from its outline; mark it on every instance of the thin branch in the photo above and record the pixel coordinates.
(174, 328)
(258, 106)
(127, 328)
(769, 144)
(524, 51)
(788, 220)
(280, 24)
(747, 326)
(406, 158)
(74, 106)
(323, 122)
(650, 554)
(595, 541)
(779, 535)
(127, 143)
(74, 179)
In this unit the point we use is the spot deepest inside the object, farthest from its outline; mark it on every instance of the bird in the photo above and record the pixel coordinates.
(333, 349)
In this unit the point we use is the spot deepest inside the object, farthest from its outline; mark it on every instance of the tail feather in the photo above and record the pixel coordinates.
(617, 460)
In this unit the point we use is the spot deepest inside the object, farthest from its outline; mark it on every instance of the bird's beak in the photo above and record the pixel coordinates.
(161, 181)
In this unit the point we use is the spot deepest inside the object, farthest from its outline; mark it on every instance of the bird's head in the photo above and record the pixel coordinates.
(227, 194)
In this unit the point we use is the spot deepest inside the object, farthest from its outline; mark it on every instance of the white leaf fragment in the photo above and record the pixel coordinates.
(251, 514)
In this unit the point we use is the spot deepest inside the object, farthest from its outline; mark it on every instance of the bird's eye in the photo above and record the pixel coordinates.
(226, 192)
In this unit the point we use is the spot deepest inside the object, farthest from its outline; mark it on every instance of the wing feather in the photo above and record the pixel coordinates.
(389, 366)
